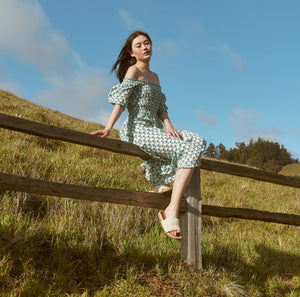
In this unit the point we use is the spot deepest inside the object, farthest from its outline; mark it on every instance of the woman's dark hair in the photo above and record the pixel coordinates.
(125, 60)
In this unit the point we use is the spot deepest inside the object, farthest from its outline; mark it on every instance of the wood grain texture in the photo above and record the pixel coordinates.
(49, 131)
(190, 208)
(118, 196)
(136, 198)
(191, 223)
(251, 214)
(118, 146)
(249, 172)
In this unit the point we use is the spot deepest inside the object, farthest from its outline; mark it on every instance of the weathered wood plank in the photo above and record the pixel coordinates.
(191, 223)
(251, 214)
(136, 198)
(244, 171)
(118, 196)
(191, 208)
(114, 145)
(49, 131)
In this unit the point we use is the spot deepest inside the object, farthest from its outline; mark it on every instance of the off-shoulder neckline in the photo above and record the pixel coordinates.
(142, 81)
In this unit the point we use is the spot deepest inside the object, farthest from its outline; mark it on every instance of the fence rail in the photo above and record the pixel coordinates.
(134, 198)
(117, 146)
(190, 208)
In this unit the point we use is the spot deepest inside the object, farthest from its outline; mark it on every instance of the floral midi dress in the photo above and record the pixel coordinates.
(145, 101)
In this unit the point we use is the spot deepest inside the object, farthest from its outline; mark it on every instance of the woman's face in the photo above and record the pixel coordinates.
(141, 48)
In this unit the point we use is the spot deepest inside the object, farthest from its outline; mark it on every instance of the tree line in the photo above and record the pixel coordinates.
(262, 154)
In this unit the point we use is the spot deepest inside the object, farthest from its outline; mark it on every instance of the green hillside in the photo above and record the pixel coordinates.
(62, 247)
(291, 170)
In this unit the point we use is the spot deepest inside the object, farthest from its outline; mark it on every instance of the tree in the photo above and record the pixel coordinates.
(221, 151)
(211, 151)
(262, 153)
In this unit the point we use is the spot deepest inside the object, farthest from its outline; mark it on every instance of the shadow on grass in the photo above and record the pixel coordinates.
(59, 263)
(67, 267)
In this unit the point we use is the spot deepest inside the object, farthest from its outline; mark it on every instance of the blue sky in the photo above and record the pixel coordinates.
(230, 69)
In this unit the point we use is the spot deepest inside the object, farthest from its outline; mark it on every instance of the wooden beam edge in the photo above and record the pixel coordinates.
(107, 195)
(134, 198)
(251, 214)
(249, 172)
(50, 131)
(118, 146)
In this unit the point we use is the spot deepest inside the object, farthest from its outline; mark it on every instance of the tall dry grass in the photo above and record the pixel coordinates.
(61, 247)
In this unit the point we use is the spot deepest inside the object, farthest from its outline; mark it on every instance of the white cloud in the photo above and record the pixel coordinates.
(82, 94)
(272, 133)
(210, 121)
(130, 22)
(26, 34)
(244, 116)
(245, 124)
(103, 116)
(249, 124)
(235, 58)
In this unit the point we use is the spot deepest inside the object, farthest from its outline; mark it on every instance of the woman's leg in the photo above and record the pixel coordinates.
(182, 178)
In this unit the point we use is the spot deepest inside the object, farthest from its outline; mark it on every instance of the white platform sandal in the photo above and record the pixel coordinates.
(169, 225)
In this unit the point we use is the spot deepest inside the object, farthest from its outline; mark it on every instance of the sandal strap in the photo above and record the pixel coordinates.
(171, 224)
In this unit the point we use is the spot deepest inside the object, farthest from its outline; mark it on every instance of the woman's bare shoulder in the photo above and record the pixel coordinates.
(155, 78)
(132, 72)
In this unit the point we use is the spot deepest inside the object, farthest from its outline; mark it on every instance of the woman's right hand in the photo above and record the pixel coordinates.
(103, 133)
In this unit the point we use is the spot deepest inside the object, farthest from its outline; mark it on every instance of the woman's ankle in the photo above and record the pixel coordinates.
(170, 213)
(161, 189)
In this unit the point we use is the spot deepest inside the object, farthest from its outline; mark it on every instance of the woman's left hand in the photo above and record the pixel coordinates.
(173, 132)
(103, 133)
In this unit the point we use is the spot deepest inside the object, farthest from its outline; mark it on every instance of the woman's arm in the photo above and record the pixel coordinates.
(169, 128)
(114, 116)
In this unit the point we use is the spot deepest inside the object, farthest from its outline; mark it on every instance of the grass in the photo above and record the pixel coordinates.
(291, 169)
(62, 247)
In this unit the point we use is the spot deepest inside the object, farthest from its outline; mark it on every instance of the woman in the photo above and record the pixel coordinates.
(174, 153)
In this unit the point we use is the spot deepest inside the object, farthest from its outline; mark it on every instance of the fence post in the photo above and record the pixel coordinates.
(191, 223)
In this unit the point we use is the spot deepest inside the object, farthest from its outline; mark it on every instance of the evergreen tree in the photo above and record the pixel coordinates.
(263, 154)
(221, 151)
(211, 151)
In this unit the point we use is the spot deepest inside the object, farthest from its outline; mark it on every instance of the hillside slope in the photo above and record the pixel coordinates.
(291, 170)
(57, 160)
(61, 247)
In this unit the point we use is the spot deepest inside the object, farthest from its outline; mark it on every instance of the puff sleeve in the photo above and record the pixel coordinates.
(121, 94)
(162, 107)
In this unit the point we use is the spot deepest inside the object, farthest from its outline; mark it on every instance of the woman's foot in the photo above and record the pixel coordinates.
(170, 225)
(171, 213)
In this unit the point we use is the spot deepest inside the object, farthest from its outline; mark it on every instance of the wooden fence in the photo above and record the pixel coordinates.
(191, 208)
